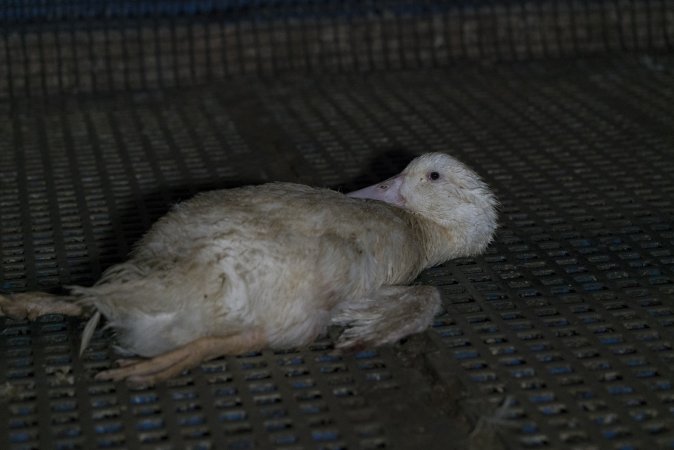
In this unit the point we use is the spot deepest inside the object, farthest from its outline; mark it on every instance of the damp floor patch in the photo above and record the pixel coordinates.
(560, 336)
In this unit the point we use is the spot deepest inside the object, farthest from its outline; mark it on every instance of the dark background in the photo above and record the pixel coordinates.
(560, 336)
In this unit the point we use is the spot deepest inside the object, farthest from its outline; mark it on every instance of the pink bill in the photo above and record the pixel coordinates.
(386, 191)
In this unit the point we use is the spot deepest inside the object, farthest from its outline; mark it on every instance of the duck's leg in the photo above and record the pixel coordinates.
(387, 316)
(147, 372)
(31, 305)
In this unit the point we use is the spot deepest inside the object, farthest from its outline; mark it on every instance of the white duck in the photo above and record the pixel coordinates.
(238, 270)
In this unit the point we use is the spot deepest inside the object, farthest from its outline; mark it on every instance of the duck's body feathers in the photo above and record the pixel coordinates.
(279, 256)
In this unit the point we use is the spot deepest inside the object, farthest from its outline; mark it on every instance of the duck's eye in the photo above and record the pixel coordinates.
(434, 175)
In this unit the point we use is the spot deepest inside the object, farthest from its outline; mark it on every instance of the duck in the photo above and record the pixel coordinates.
(274, 265)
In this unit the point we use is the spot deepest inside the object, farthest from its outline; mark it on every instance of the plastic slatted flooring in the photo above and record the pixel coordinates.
(560, 336)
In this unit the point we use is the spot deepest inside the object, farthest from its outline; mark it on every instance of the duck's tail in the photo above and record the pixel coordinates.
(89, 329)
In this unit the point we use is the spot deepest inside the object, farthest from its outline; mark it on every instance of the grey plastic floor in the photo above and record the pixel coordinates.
(559, 337)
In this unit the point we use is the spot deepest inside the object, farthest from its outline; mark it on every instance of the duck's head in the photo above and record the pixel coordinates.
(445, 191)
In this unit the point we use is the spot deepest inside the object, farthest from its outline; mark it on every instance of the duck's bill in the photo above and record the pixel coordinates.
(386, 191)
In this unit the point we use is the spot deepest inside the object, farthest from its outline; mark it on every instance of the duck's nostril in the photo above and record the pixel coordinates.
(383, 186)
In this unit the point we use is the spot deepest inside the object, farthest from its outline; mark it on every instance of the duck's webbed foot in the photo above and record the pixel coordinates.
(31, 305)
(387, 316)
(147, 372)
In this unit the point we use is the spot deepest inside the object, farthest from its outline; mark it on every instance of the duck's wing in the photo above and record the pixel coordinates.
(387, 315)
(278, 209)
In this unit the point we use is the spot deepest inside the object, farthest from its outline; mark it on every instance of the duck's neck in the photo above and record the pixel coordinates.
(436, 241)
(440, 243)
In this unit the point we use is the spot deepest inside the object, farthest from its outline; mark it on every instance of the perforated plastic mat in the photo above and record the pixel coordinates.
(560, 336)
